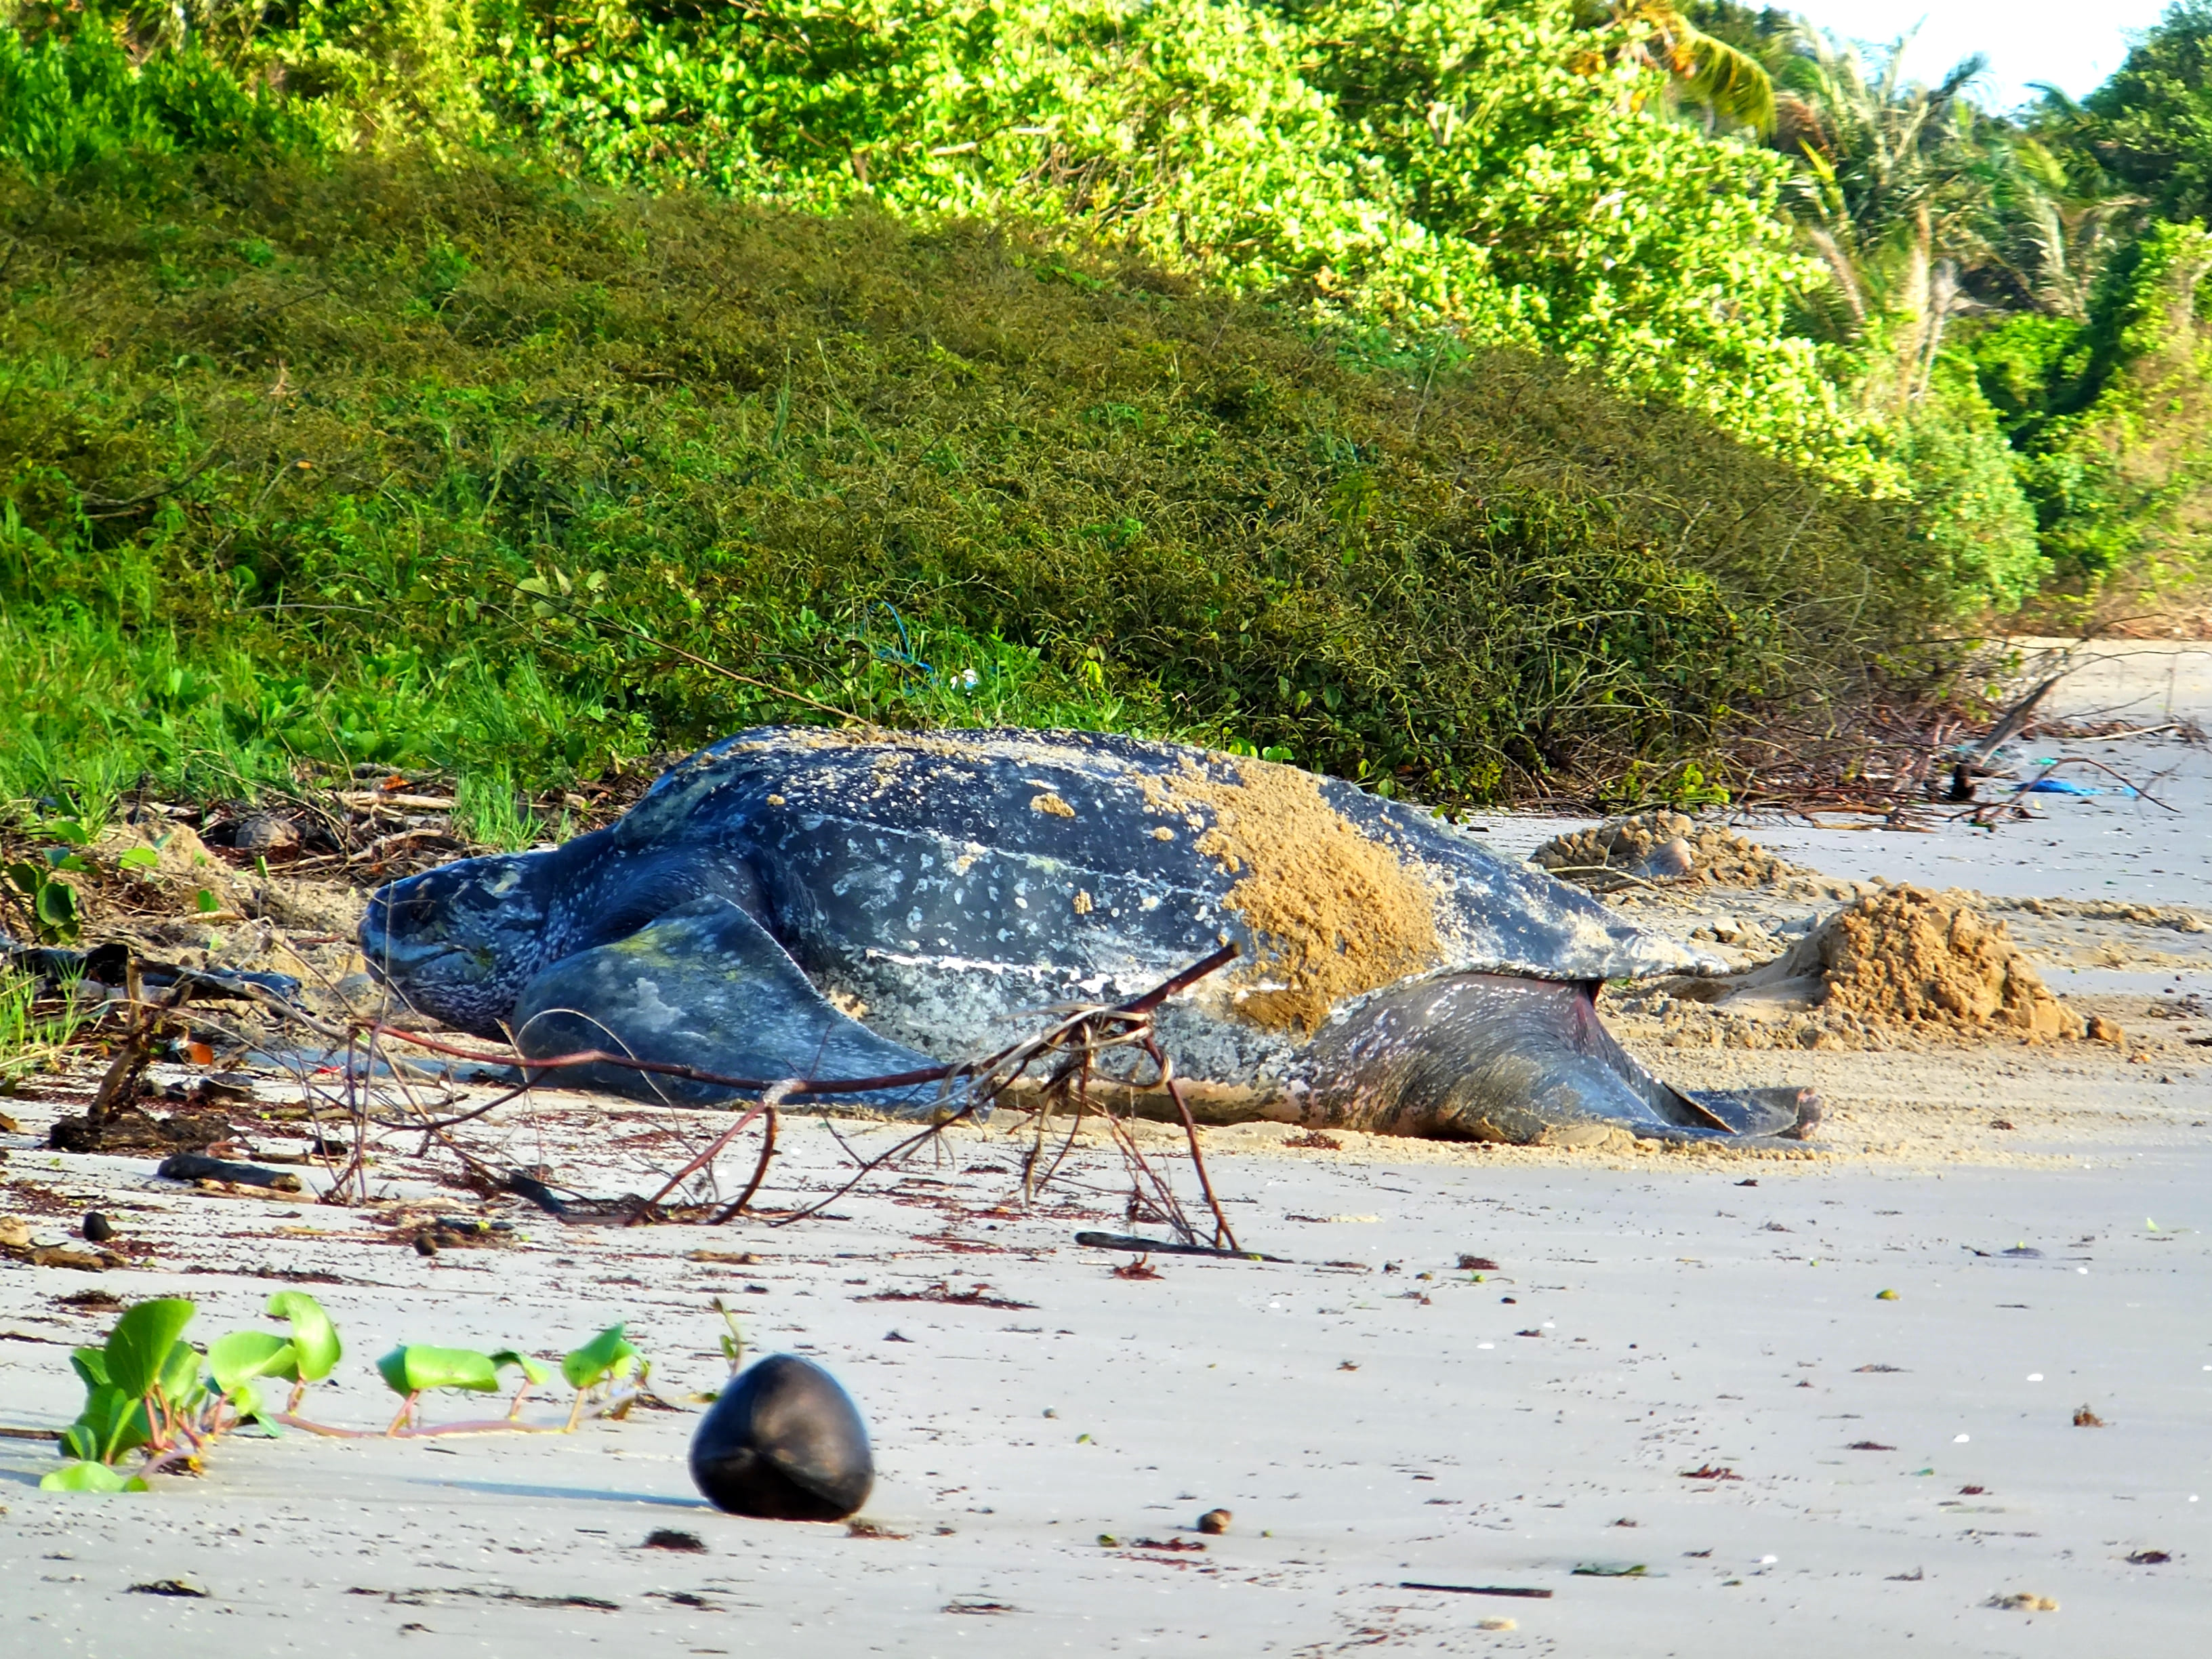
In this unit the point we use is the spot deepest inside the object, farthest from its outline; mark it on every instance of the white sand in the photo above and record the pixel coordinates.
(1678, 1324)
(1687, 1321)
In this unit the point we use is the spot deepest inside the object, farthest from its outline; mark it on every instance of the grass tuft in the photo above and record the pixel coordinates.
(34, 1033)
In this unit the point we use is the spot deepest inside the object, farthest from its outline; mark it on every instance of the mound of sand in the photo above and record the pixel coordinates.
(157, 866)
(1906, 956)
(1663, 847)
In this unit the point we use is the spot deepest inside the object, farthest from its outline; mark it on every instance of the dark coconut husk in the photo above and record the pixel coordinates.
(784, 1442)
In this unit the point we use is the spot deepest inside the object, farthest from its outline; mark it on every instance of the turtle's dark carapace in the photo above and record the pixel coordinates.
(803, 902)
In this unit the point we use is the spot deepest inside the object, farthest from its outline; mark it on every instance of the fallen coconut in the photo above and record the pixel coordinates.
(784, 1442)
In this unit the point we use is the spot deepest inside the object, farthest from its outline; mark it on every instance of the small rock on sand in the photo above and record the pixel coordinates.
(264, 832)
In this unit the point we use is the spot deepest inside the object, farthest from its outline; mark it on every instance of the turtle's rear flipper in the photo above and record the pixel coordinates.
(706, 986)
(1788, 1114)
(1495, 1057)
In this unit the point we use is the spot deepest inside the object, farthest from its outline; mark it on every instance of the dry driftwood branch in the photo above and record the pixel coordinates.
(770, 1100)
(2013, 719)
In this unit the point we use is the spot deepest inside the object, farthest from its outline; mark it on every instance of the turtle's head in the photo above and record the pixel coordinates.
(459, 942)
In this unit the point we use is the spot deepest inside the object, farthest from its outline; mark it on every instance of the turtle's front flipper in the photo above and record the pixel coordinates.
(1493, 1057)
(705, 985)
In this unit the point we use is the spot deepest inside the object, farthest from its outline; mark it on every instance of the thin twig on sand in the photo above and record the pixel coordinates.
(1073, 1044)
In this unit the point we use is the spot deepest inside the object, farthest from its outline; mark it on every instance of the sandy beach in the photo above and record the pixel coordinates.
(1691, 1403)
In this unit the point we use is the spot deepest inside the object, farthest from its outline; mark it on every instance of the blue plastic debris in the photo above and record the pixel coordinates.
(2067, 787)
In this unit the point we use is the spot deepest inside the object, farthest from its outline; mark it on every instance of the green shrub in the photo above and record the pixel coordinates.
(75, 103)
(1500, 168)
(2109, 417)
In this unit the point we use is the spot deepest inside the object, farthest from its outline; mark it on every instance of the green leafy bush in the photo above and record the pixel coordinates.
(1491, 167)
(2110, 416)
(76, 102)
(1499, 167)
(1488, 174)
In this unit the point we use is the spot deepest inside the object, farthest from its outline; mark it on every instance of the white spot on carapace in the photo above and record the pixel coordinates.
(649, 1010)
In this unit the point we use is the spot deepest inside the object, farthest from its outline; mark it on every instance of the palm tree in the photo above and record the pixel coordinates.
(2053, 217)
(1890, 195)
(1924, 209)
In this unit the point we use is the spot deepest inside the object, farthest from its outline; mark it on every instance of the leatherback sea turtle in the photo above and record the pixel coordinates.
(774, 891)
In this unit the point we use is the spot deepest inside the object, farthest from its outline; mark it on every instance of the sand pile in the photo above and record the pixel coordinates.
(155, 865)
(150, 890)
(1890, 968)
(1907, 957)
(152, 877)
(1660, 846)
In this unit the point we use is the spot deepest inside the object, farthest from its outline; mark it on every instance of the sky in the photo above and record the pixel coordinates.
(2070, 46)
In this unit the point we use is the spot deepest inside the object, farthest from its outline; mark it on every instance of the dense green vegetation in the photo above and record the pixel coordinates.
(1449, 394)
(462, 466)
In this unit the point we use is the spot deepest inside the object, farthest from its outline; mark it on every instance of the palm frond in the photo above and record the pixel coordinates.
(1730, 84)
(1729, 81)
